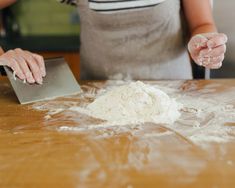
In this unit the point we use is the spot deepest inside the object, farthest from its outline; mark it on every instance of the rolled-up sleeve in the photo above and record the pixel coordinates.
(69, 2)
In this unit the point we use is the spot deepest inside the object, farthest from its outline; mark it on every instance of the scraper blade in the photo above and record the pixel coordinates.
(58, 82)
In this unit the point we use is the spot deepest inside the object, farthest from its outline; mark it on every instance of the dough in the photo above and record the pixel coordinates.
(135, 102)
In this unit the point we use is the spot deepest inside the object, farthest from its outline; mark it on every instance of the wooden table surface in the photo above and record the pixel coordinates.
(47, 145)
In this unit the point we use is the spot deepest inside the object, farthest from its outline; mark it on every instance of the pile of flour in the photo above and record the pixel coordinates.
(135, 102)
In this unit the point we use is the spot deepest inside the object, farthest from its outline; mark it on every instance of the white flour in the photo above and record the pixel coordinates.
(134, 103)
(206, 115)
(203, 134)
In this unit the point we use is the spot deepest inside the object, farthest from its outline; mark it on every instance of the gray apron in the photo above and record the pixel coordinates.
(140, 43)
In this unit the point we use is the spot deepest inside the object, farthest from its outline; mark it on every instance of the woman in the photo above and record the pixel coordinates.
(144, 39)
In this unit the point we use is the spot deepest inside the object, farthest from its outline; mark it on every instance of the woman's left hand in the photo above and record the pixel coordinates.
(208, 49)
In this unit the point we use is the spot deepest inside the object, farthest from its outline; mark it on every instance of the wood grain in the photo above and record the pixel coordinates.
(34, 152)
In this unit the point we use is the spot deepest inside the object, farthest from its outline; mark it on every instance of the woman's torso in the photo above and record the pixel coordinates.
(141, 43)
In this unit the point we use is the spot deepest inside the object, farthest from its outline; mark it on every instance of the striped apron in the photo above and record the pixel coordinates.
(139, 39)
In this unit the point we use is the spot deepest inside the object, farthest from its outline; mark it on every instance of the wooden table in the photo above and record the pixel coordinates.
(47, 145)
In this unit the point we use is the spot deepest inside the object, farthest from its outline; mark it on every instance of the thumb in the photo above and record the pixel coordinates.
(197, 42)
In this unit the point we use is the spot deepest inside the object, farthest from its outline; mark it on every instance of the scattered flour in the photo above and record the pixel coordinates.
(206, 116)
(135, 102)
(200, 134)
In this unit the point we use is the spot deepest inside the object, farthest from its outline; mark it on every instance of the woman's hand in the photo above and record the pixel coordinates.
(208, 49)
(26, 65)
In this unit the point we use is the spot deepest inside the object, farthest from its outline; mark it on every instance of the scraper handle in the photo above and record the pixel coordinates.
(207, 74)
(2, 71)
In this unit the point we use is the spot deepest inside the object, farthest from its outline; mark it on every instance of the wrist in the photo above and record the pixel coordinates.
(205, 28)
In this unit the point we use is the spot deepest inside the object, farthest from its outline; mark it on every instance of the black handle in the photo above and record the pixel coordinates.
(2, 71)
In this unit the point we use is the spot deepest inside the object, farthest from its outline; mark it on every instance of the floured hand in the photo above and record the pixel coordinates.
(208, 49)
(26, 65)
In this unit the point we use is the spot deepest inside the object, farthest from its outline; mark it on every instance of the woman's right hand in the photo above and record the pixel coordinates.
(26, 65)
(208, 49)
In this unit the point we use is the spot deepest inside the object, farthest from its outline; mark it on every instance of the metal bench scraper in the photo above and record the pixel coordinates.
(58, 82)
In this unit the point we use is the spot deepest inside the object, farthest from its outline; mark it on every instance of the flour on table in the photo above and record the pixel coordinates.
(206, 115)
(135, 102)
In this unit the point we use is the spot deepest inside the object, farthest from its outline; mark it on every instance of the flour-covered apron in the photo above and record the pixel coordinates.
(141, 39)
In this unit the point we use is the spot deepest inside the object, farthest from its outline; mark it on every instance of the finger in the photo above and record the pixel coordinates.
(32, 63)
(207, 61)
(215, 66)
(41, 64)
(199, 61)
(32, 66)
(217, 40)
(215, 52)
(14, 65)
(24, 66)
(197, 43)
(26, 70)
(218, 59)
(212, 62)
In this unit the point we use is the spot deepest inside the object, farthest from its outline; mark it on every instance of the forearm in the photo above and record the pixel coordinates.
(199, 16)
(206, 47)
(5, 3)
(205, 28)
